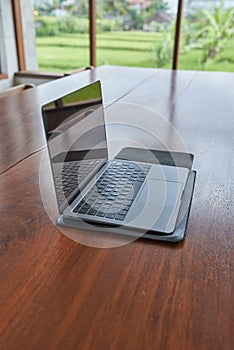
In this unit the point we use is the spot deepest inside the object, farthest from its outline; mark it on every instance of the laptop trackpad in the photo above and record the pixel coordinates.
(156, 206)
(160, 193)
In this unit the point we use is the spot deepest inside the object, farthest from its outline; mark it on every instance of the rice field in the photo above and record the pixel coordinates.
(70, 51)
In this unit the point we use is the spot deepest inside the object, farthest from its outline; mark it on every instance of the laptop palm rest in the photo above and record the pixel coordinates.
(156, 206)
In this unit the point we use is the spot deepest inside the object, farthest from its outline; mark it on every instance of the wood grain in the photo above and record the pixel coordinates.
(58, 294)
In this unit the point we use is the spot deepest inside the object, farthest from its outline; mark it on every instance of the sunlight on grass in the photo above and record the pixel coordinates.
(71, 51)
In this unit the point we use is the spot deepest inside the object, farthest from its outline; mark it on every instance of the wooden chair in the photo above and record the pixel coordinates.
(15, 89)
(78, 70)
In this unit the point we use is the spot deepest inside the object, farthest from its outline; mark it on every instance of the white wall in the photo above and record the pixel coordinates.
(9, 63)
(29, 34)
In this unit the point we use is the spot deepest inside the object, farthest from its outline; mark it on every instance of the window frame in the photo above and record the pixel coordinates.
(19, 36)
(17, 19)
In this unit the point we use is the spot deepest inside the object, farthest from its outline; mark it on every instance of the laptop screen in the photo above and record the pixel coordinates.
(76, 137)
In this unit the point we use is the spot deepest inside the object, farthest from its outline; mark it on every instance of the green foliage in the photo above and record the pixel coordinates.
(52, 26)
(45, 7)
(68, 24)
(80, 8)
(109, 25)
(137, 19)
(186, 35)
(157, 5)
(46, 26)
(209, 33)
(71, 24)
(116, 7)
(162, 50)
(119, 48)
(213, 28)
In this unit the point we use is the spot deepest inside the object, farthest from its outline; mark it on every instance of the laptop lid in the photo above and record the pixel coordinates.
(75, 133)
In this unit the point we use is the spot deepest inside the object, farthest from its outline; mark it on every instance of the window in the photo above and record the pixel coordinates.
(8, 57)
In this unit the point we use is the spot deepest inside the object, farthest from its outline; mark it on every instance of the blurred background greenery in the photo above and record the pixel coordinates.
(134, 36)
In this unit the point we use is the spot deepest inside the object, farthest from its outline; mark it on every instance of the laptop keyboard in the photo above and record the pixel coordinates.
(71, 175)
(114, 192)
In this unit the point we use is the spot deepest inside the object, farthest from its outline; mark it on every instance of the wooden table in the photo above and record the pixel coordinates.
(58, 294)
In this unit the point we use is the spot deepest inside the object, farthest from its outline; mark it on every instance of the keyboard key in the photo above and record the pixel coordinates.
(115, 190)
(92, 211)
(110, 215)
(71, 172)
(100, 214)
(83, 210)
(120, 217)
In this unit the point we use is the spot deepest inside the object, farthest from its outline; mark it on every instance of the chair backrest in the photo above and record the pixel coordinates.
(75, 71)
(16, 89)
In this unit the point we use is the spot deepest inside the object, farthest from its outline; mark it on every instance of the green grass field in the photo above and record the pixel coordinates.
(70, 51)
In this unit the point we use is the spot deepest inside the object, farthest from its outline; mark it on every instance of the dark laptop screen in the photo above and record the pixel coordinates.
(76, 138)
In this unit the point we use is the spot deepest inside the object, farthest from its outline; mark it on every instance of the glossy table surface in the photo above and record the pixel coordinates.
(58, 294)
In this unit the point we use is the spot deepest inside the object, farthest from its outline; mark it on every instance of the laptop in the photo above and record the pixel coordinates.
(95, 189)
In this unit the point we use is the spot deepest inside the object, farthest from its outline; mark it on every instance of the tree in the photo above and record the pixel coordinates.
(157, 5)
(80, 8)
(113, 7)
(57, 3)
(216, 27)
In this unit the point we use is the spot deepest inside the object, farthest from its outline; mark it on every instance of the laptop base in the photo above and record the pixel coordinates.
(177, 235)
